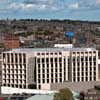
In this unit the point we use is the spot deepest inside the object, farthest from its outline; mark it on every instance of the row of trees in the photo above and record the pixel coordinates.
(64, 94)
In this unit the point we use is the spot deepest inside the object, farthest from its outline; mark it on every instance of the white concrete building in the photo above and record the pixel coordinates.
(43, 66)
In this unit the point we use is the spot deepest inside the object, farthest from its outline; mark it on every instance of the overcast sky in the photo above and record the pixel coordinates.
(50, 9)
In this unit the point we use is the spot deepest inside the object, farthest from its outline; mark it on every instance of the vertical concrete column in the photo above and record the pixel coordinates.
(97, 69)
(92, 68)
(58, 69)
(62, 69)
(45, 63)
(89, 66)
(84, 66)
(76, 67)
(80, 67)
(49, 69)
(53, 69)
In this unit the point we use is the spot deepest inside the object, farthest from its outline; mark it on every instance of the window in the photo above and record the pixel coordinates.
(82, 59)
(94, 63)
(47, 53)
(60, 53)
(47, 75)
(74, 79)
(12, 58)
(55, 53)
(47, 70)
(47, 80)
(39, 86)
(51, 53)
(20, 58)
(55, 59)
(43, 80)
(43, 75)
(86, 58)
(94, 68)
(24, 58)
(16, 59)
(38, 66)
(94, 58)
(73, 59)
(51, 59)
(47, 60)
(43, 54)
(8, 58)
(38, 60)
(78, 79)
(60, 80)
(38, 53)
(86, 78)
(42, 60)
(90, 58)
(60, 59)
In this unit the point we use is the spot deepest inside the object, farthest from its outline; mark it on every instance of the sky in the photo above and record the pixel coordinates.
(50, 9)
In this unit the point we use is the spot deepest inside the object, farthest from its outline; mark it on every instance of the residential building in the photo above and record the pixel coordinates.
(92, 94)
(11, 41)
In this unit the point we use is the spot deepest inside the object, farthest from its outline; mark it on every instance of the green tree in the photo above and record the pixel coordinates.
(64, 94)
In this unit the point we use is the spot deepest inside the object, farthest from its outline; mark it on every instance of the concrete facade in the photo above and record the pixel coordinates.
(17, 69)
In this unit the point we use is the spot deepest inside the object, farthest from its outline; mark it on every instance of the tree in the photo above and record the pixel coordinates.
(64, 94)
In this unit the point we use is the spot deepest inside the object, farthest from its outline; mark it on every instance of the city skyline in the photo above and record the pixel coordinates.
(50, 9)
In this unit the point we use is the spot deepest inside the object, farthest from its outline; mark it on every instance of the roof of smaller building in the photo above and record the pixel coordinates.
(42, 97)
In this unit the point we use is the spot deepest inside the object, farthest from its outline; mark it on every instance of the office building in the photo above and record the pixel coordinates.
(42, 67)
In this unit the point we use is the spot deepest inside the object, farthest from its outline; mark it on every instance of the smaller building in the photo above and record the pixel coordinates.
(11, 41)
(92, 94)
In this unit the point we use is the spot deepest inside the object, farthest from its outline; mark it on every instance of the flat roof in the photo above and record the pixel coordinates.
(32, 50)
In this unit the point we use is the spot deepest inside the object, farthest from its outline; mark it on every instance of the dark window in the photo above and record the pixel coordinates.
(24, 58)
(60, 59)
(38, 60)
(20, 58)
(47, 65)
(12, 58)
(47, 60)
(43, 80)
(8, 58)
(47, 53)
(51, 59)
(43, 75)
(47, 80)
(86, 78)
(94, 68)
(16, 59)
(78, 79)
(55, 53)
(43, 54)
(94, 58)
(38, 53)
(55, 59)
(51, 53)
(60, 53)
(39, 86)
(94, 63)
(42, 60)
(86, 58)
(90, 58)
